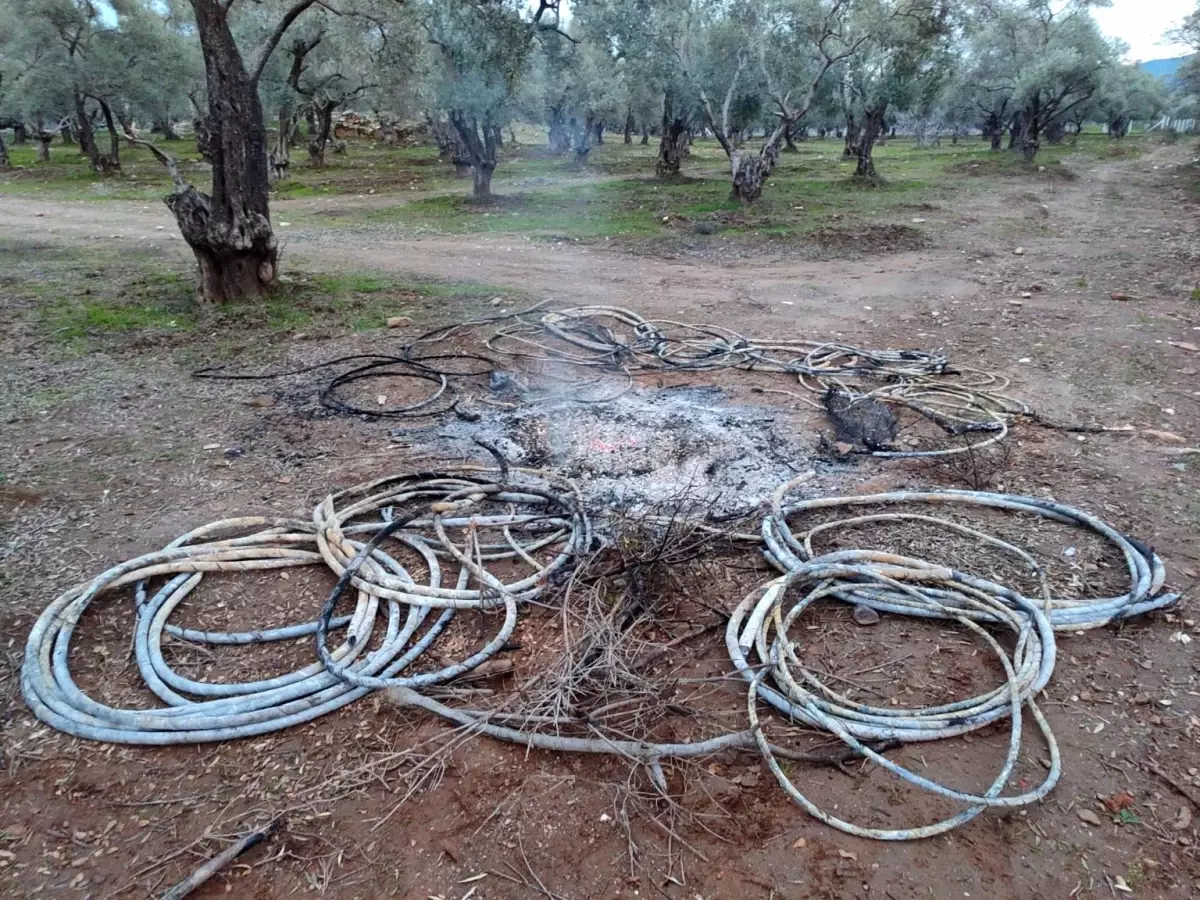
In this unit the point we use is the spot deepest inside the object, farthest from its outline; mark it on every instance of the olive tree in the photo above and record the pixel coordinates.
(1036, 61)
(482, 51)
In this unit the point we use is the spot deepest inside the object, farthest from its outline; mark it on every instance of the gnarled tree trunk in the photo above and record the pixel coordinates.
(323, 111)
(872, 128)
(112, 162)
(479, 142)
(559, 137)
(229, 232)
(853, 133)
(630, 125)
(750, 171)
(1117, 128)
(87, 138)
(583, 141)
(1056, 130)
(789, 141)
(4, 163)
(166, 128)
(281, 158)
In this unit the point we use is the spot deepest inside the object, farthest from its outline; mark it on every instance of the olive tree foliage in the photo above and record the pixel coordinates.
(901, 61)
(1126, 94)
(579, 89)
(482, 51)
(86, 63)
(1031, 63)
(1187, 100)
(657, 40)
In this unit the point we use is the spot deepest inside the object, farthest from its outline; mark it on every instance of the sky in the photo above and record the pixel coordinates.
(1141, 23)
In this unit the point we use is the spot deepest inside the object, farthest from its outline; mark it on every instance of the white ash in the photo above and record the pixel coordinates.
(647, 446)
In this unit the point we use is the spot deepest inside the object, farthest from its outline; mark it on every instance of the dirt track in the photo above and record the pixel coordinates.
(1074, 351)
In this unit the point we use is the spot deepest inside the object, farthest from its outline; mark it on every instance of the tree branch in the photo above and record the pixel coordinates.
(277, 35)
(181, 183)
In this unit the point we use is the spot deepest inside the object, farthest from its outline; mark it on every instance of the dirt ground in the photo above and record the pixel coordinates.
(110, 454)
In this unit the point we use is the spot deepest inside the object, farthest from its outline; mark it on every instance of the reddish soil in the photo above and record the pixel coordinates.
(104, 457)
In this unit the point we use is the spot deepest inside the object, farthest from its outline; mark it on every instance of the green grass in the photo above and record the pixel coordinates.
(83, 299)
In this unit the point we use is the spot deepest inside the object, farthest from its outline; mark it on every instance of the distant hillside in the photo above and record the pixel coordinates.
(1164, 68)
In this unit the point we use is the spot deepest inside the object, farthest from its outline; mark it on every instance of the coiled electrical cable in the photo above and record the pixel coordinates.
(440, 522)
(789, 551)
(763, 622)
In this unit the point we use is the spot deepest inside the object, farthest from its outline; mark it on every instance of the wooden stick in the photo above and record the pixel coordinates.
(1155, 769)
(218, 862)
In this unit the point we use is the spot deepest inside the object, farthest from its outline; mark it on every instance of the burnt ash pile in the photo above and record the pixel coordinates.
(646, 446)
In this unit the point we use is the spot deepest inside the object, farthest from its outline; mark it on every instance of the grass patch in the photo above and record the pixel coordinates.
(83, 299)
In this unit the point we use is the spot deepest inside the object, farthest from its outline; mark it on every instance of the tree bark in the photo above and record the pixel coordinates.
(630, 125)
(113, 162)
(20, 133)
(87, 138)
(166, 128)
(229, 232)
(4, 163)
(750, 171)
(1055, 131)
(42, 138)
(481, 181)
(67, 132)
(1117, 128)
(598, 129)
(789, 142)
(479, 143)
(853, 131)
(645, 135)
(280, 157)
(323, 111)
(1026, 130)
(873, 126)
(583, 141)
(559, 137)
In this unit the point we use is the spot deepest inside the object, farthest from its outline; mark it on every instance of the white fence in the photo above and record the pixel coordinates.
(1166, 123)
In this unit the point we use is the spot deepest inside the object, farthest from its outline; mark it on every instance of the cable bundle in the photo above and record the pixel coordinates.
(789, 551)
(437, 516)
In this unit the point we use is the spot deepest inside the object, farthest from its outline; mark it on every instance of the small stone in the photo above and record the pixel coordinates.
(16, 831)
(1026, 294)
(381, 399)
(1020, 251)
(864, 615)
(285, 479)
(212, 446)
(918, 221)
(1166, 437)
(262, 401)
(1121, 295)
(799, 844)
(1183, 820)
(605, 817)
(496, 301)
(398, 321)
(1089, 817)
